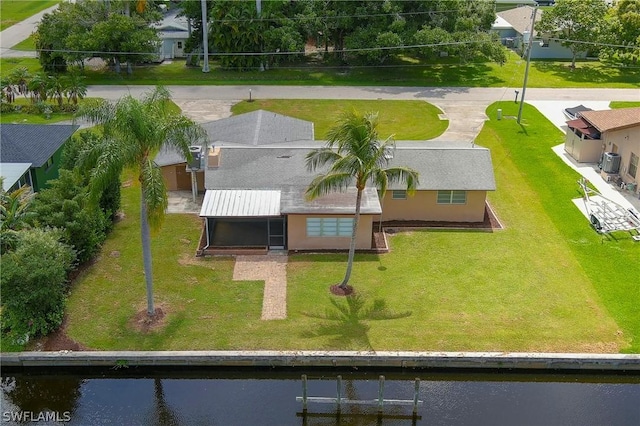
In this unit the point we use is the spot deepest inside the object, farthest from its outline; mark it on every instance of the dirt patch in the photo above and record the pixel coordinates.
(145, 323)
(341, 291)
(58, 341)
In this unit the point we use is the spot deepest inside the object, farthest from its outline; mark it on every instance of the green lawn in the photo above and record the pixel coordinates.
(26, 44)
(406, 72)
(547, 282)
(624, 104)
(14, 11)
(397, 118)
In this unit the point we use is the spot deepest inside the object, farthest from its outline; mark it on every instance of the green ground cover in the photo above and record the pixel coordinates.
(14, 11)
(547, 282)
(397, 118)
(26, 44)
(624, 104)
(406, 72)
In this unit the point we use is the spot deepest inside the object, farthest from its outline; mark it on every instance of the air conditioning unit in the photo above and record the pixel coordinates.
(611, 162)
(196, 155)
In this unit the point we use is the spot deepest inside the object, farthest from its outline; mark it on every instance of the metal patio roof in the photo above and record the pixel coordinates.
(12, 172)
(240, 203)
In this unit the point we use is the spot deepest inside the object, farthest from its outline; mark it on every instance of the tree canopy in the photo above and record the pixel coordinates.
(113, 31)
(576, 23)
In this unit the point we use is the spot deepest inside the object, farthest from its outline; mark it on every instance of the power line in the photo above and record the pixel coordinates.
(362, 49)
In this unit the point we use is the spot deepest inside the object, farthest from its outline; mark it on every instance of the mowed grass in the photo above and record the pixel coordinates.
(547, 282)
(14, 11)
(404, 120)
(405, 71)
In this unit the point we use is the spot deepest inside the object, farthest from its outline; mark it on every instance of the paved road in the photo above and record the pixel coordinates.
(431, 94)
(19, 32)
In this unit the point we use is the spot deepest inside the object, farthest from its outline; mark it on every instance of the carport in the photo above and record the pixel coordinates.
(243, 219)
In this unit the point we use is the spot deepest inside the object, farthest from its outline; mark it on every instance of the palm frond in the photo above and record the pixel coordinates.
(325, 184)
(154, 193)
(403, 174)
(107, 160)
(318, 158)
(181, 133)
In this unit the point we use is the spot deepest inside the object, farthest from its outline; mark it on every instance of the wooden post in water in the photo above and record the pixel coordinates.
(339, 396)
(304, 393)
(416, 393)
(381, 395)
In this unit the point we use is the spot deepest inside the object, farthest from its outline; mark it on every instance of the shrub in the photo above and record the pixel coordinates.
(34, 284)
(65, 205)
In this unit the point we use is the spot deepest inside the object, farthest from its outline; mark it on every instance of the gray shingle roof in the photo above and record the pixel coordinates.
(259, 128)
(32, 143)
(441, 167)
(520, 18)
(255, 128)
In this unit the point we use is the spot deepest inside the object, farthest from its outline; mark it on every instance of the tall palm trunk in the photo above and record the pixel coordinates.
(352, 246)
(146, 253)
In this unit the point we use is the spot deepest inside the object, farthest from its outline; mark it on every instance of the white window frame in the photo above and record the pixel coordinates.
(633, 165)
(452, 197)
(398, 194)
(329, 226)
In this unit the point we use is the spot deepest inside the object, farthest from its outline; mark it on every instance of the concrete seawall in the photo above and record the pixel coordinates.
(310, 359)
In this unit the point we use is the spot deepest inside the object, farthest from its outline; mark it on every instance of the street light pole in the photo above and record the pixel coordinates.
(205, 36)
(526, 70)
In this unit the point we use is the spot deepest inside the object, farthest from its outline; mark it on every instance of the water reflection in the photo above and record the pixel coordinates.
(269, 398)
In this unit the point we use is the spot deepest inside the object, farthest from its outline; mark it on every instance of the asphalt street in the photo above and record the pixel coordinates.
(430, 94)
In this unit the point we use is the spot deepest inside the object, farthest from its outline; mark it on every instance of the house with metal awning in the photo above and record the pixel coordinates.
(255, 197)
(254, 177)
(610, 138)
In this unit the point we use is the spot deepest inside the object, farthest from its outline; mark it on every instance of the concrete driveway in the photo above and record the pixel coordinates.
(16, 33)
(552, 110)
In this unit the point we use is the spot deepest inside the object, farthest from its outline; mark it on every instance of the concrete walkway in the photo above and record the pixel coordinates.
(271, 268)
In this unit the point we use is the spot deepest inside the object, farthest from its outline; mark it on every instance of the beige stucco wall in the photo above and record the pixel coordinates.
(423, 206)
(624, 142)
(176, 178)
(297, 234)
(583, 150)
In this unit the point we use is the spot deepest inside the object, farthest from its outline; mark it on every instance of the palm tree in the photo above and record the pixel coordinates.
(15, 213)
(133, 131)
(355, 153)
(75, 87)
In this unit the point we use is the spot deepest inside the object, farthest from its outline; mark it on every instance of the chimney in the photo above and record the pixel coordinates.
(213, 159)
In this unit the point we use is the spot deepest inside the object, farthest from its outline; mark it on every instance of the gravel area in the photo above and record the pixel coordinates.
(271, 268)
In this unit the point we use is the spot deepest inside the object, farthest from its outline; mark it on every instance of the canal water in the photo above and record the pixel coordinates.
(130, 397)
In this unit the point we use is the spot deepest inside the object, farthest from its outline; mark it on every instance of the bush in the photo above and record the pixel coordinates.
(34, 284)
(65, 205)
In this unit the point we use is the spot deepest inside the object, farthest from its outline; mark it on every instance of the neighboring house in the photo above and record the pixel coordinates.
(514, 28)
(30, 153)
(253, 128)
(611, 137)
(173, 32)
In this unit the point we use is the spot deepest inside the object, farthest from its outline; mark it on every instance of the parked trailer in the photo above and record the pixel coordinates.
(606, 215)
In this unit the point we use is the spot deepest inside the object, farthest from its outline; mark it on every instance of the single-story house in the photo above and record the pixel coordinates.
(30, 153)
(514, 28)
(254, 128)
(173, 32)
(254, 175)
(256, 196)
(608, 135)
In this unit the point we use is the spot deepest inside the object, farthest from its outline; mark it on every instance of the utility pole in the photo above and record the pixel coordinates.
(526, 70)
(205, 36)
